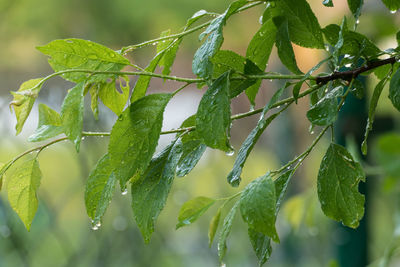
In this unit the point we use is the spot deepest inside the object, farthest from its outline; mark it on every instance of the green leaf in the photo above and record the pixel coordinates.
(150, 193)
(22, 185)
(192, 148)
(113, 99)
(352, 42)
(259, 50)
(134, 136)
(355, 7)
(261, 245)
(394, 89)
(202, 65)
(247, 146)
(226, 230)
(358, 89)
(99, 189)
(325, 111)
(338, 179)
(193, 209)
(73, 53)
(196, 16)
(281, 184)
(392, 5)
(94, 99)
(72, 114)
(327, 3)
(285, 49)
(212, 230)
(258, 206)
(213, 117)
(304, 29)
(49, 124)
(371, 112)
(143, 81)
(171, 47)
(23, 101)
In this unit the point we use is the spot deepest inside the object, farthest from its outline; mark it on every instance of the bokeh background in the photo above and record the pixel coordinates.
(61, 233)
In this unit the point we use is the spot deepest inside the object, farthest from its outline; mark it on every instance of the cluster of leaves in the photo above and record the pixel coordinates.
(130, 160)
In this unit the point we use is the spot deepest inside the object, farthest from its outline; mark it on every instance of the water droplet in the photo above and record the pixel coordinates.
(125, 192)
(348, 65)
(270, 80)
(223, 264)
(312, 132)
(83, 138)
(230, 153)
(393, 11)
(96, 226)
(327, 48)
(278, 106)
(347, 56)
(260, 20)
(288, 167)
(357, 21)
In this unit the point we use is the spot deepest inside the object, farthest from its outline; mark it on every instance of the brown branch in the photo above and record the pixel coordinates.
(348, 75)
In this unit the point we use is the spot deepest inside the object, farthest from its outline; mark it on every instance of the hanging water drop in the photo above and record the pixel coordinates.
(230, 152)
(357, 21)
(312, 132)
(260, 20)
(125, 192)
(347, 65)
(96, 226)
(393, 11)
(278, 106)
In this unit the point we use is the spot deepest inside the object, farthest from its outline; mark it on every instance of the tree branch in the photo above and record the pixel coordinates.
(348, 75)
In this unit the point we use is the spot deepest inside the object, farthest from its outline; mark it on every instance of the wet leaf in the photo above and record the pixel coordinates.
(193, 209)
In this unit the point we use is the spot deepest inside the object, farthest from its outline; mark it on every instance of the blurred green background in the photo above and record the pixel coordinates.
(61, 234)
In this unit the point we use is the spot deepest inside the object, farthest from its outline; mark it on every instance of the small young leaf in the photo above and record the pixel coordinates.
(258, 206)
(338, 179)
(394, 89)
(99, 189)
(327, 3)
(49, 124)
(252, 138)
(261, 245)
(213, 117)
(326, 110)
(193, 209)
(22, 185)
(214, 226)
(72, 114)
(23, 101)
(150, 193)
(134, 136)
(304, 29)
(202, 65)
(371, 112)
(111, 98)
(69, 54)
(143, 81)
(226, 230)
(258, 51)
(285, 49)
(355, 7)
(392, 5)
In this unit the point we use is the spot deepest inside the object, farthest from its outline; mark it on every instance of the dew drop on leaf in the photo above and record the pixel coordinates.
(230, 152)
(124, 192)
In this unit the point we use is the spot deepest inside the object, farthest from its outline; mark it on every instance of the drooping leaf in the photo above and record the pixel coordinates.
(23, 101)
(99, 189)
(258, 206)
(352, 42)
(171, 47)
(113, 99)
(338, 179)
(247, 146)
(371, 112)
(394, 89)
(74, 53)
(212, 230)
(214, 114)
(355, 7)
(193, 209)
(392, 5)
(325, 111)
(49, 124)
(22, 185)
(202, 65)
(258, 51)
(72, 114)
(304, 29)
(327, 3)
(150, 193)
(285, 49)
(134, 136)
(261, 245)
(192, 148)
(226, 230)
